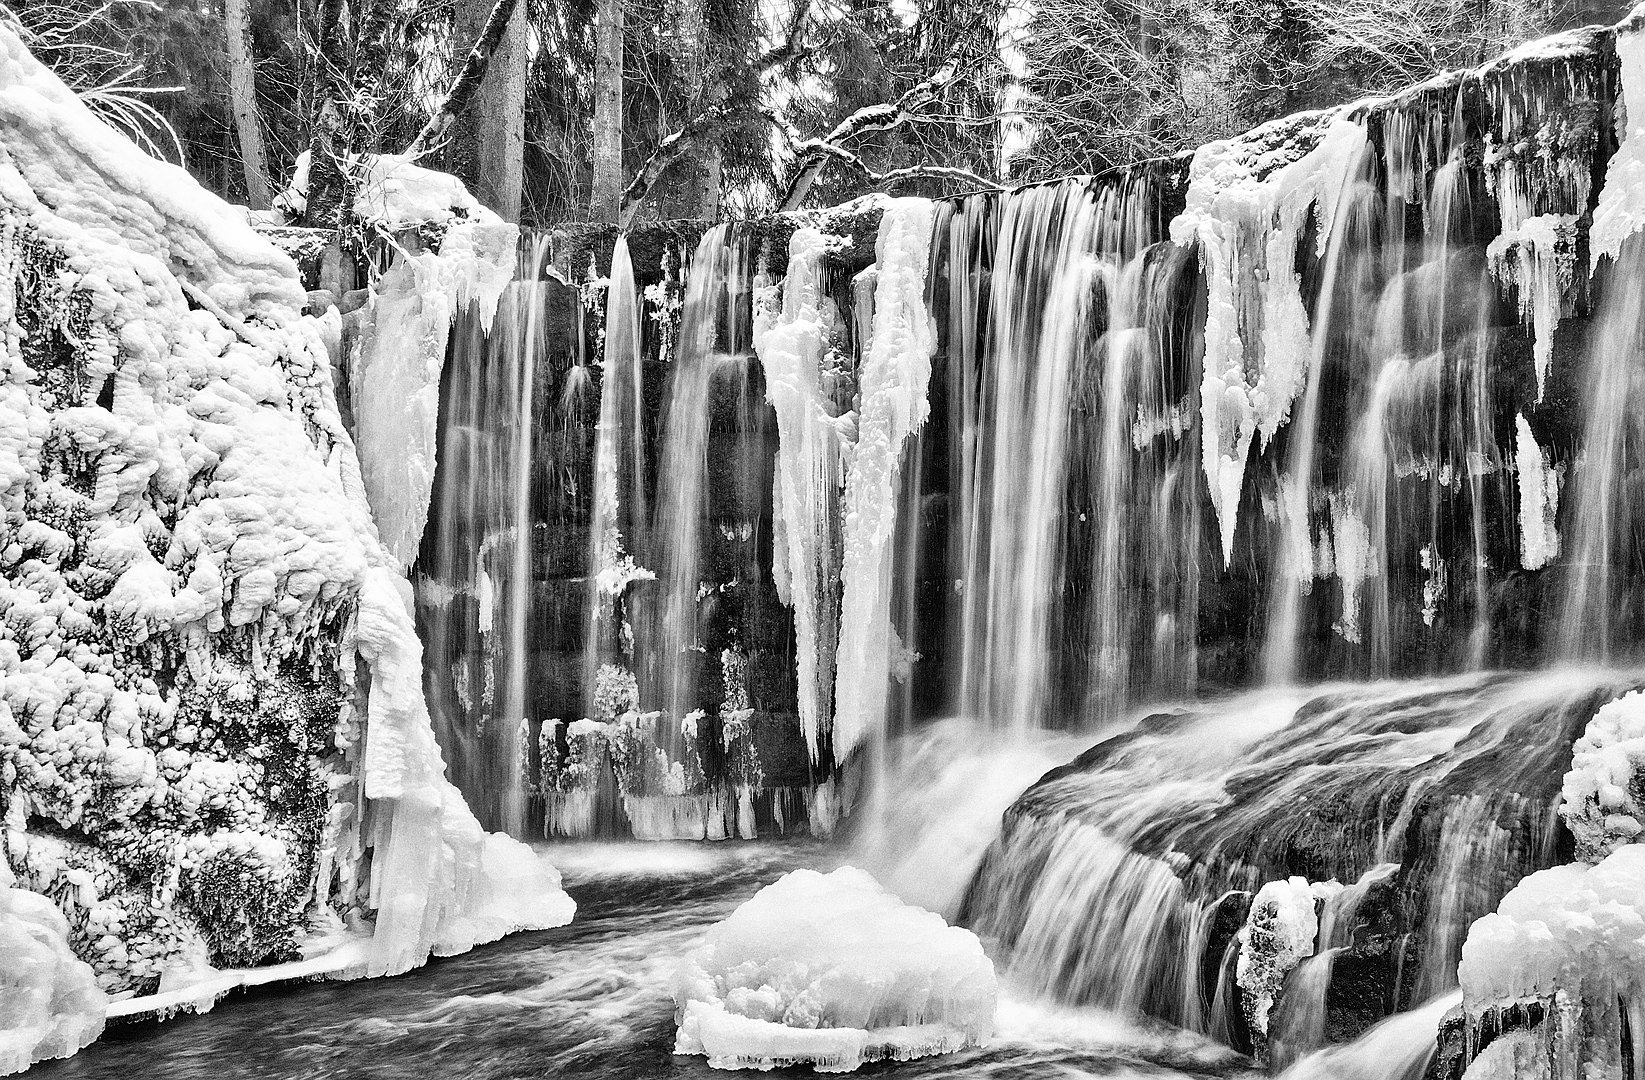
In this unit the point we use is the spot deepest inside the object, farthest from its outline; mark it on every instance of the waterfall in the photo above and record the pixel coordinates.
(474, 577)
(709, 348)
(619, 515)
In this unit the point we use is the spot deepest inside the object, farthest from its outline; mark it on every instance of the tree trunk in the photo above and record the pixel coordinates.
(242, 87)
(703, 180)
(488, 143)
(606, 196)
(500, 169)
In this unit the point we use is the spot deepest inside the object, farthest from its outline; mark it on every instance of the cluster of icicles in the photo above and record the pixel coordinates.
(1117, 437)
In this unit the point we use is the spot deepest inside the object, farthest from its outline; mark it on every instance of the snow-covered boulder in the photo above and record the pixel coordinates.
(1604, 791)
(50, 1004)
(1558, 931)
(1278, 935)
(831, 970)
(213, 739)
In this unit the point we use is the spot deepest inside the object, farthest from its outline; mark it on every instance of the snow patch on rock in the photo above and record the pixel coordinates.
(1621, 209)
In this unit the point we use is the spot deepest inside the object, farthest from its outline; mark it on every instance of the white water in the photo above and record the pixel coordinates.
(1399, 1048)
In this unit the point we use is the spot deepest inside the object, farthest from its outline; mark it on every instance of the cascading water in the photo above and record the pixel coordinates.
(619, 516)
(473, 578)
(1326, 402)
(1119, 879)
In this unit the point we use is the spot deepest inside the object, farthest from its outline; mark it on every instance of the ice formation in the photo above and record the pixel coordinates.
(1518, 1055)
(1247, 209)
(395, 377)
(1538, 499)
(1603, 800)
(1621, 209)
(1278, 934)
(191, 575)
(791, 343)
(896, 370)
(832, 971)
(1539, 260)
(1557, 931)
(50, 1003)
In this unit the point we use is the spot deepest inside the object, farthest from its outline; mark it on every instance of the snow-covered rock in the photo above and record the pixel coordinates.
(1558, 930)
(1278, 935)
(1603, 799)
(193, 594)
(831, 970)
(50, 1003)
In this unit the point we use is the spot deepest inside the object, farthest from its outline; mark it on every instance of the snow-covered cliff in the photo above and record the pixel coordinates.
(214, 749)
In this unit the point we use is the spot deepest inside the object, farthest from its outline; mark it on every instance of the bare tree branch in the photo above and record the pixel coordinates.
(467, 82)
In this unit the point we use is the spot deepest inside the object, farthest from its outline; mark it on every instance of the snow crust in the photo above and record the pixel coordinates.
(1603, 798)
(790, 343)
(896, 373)
(831, 970)
(396, 193)
(1557, 929)
(191, 577)
(1248, 204)
(395, 377)
(50, 1003)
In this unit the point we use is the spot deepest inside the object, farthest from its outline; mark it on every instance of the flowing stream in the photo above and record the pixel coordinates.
(589, 1000)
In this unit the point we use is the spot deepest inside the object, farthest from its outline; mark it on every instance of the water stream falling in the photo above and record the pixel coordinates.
(1279, 490)
(474, 573)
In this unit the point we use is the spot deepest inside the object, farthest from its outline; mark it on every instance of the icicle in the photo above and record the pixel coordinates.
(1539, 260)
(894, 377)
(1247, 209)
(790, 345)
(1538, 499)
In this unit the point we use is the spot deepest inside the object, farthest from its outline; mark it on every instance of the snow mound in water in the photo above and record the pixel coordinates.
(1557, 929)
(1603, 791)
(831, 970)
(50, 1004)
